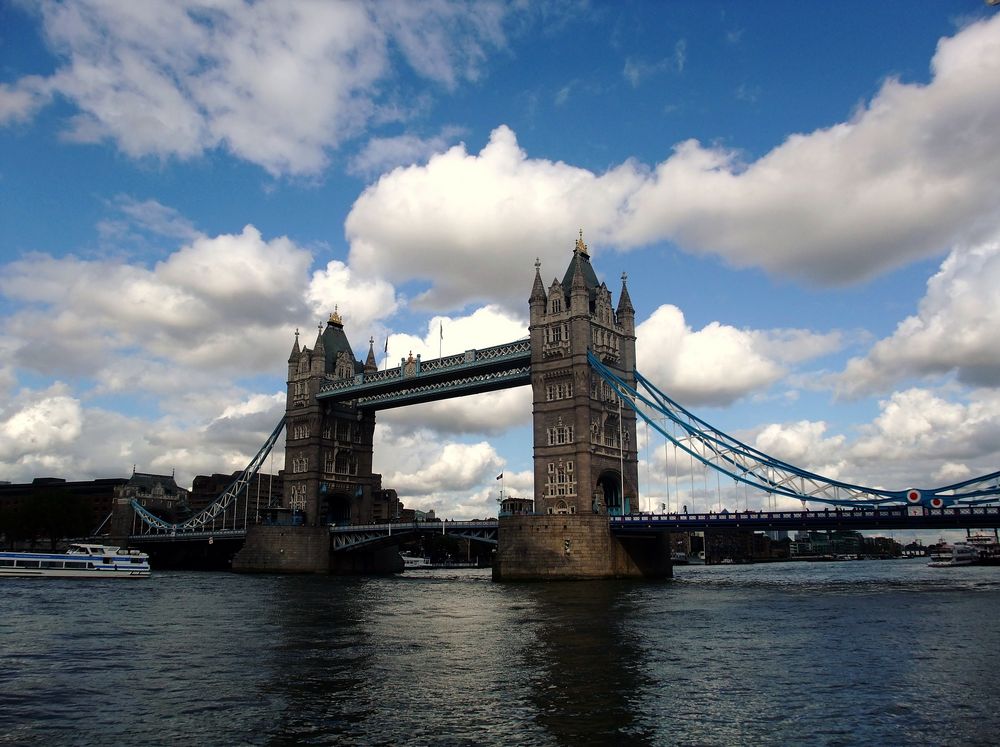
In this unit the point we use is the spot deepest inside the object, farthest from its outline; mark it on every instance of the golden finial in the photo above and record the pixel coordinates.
(335, 317)
(580, 246)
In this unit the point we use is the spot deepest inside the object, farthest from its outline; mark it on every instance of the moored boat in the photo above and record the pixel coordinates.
(958, 553)
(79, 561)
(415, 561)
(987, 547)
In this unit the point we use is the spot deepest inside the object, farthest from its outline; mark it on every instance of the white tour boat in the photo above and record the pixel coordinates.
(79, 561)
(958, 553)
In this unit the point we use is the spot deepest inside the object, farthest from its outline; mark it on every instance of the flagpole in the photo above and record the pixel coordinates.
(440, 339)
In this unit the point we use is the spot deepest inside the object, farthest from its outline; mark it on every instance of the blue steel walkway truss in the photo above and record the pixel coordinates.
(471, 372)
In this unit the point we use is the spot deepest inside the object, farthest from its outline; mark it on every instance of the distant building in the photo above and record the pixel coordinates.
(18, 500)
(415, 514)
(264, 490)
(160, 494)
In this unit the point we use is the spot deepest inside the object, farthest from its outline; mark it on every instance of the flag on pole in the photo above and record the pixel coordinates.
(500, 476)
(442, 330)
(387, 345)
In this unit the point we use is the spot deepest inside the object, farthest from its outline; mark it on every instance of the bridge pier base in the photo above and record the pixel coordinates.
(575, 546)
(283, 549)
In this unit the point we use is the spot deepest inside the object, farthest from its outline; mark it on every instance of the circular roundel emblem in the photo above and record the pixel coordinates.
(913, 495)
(937, 502)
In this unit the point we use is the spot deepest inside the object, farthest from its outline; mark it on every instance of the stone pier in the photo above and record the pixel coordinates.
(285, 549)
(575, 546)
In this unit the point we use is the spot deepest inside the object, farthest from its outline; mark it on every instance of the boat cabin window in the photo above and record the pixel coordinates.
(6, 563)
(26, 563)
(52, 564)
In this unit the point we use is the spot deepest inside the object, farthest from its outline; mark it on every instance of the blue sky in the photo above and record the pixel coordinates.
(803, 196)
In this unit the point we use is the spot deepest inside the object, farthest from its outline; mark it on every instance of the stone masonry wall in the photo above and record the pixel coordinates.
(284, 549)
(574, 546)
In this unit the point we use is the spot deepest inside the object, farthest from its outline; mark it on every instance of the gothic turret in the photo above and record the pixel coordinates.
(319, 353)
(625, 311)
(293, 357)
(370, 363)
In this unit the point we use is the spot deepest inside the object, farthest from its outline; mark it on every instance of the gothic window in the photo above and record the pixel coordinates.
(560, 434)
(341, 463)
(563, 390)
(344, 367)
(300, 464)
(560, 479)
(556, 305)
(343, 430)
(301, 430)
(299, 389)
(297, 497)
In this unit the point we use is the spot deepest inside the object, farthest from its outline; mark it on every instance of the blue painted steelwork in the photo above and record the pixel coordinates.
(856, 518)
(743, 463)
(471, 372)
(204, 521)
(345, 538)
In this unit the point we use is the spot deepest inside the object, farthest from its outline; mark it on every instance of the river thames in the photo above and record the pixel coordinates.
(843, 653)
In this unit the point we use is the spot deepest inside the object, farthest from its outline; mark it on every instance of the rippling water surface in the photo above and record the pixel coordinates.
(863, 652)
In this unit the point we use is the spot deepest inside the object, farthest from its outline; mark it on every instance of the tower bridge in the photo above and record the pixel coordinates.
(587, 397)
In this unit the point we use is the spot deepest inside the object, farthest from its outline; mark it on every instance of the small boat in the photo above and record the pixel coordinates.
(79, 561)
(959, 553)
(415, 561)
(679, 557)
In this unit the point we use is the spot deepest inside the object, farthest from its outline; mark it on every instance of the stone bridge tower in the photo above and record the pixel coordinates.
(328, 447)
(585, 457)
(585, 446)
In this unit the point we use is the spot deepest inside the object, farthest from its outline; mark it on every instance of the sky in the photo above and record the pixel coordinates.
(804, 197)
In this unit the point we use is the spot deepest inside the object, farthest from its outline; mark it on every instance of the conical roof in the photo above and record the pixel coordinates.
(581, 264)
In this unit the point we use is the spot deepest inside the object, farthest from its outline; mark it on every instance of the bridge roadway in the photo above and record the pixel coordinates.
(346, 538)
(897, 517)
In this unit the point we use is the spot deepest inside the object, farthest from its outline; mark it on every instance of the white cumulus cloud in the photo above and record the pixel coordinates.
(719, 363)
(954, 330)
(279, 83)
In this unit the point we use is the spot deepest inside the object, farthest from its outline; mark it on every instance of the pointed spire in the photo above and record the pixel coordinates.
(319, 347)
(370, 363)
(294, 356)
(625, 301)
(538, 290)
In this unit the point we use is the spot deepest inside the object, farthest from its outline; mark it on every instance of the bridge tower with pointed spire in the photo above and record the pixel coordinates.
(585, 454)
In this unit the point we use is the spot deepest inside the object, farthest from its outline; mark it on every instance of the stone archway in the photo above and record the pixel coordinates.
(609, 484)
(335, 508)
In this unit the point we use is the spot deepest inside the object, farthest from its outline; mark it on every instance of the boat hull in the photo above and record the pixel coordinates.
(93, 561)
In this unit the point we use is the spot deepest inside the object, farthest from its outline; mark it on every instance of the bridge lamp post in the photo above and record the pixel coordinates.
(621, 451)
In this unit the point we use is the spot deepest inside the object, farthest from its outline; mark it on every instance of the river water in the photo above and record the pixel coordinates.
(863, 652)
